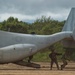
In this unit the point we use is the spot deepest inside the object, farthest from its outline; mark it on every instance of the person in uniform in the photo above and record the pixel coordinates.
(64, 60)
(30, 58)
(53, 56)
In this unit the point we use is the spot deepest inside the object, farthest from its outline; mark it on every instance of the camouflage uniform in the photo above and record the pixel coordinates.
(64, 60)
(54, 59)
(30, 57)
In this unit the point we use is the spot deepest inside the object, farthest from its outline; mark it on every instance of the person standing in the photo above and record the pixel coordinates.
(53, 57)
(30, 58)
(64, 60)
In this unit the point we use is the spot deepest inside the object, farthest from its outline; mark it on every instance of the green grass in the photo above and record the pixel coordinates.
(41, 56)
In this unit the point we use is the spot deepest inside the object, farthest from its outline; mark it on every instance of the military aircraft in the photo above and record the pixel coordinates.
(15, 47)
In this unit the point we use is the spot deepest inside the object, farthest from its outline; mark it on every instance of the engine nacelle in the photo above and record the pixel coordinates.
(16, 52)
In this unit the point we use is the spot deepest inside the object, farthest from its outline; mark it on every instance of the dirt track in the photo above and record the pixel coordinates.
(13, 69)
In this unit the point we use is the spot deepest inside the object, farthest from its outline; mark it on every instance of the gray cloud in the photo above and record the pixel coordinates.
(36, 7)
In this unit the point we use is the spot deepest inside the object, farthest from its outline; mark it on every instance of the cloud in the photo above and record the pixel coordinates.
(32, 9)
(20, 16)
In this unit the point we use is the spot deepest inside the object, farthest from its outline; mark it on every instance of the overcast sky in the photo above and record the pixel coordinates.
(30, 10)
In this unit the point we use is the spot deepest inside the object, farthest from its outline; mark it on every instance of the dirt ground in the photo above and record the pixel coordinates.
(14, 69)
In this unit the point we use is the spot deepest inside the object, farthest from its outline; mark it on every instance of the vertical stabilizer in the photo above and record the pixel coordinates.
(70, 23)
(69, 26)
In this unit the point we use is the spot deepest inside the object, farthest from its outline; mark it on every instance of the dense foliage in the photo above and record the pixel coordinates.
(43, 25)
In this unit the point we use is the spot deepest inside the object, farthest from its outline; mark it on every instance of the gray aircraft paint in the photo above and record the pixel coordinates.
(70, 26)
(70, 23)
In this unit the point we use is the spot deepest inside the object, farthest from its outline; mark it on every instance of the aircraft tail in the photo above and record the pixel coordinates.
(70, 23)
(74, 33)
(59, 36)
(70, 26)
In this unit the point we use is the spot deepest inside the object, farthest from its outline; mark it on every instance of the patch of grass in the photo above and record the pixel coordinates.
(41, 56)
